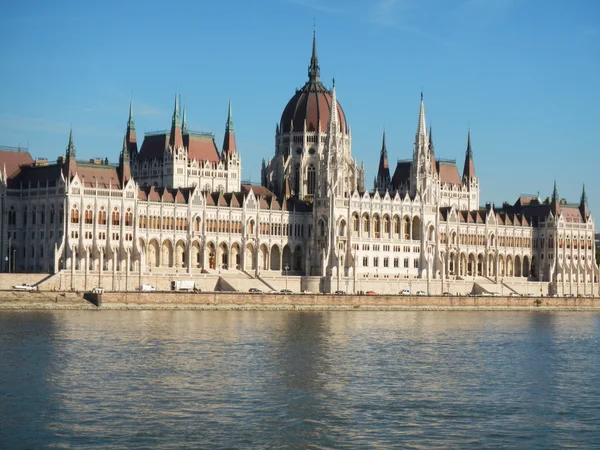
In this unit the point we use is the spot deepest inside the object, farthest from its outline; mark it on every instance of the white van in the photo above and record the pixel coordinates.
(147, 288)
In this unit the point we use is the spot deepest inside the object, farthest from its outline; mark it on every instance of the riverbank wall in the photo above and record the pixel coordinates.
(241, 301)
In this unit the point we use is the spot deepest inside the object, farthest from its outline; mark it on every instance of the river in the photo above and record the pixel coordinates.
(283, 379)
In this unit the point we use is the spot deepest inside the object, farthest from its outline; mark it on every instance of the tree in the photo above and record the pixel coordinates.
(597, 255)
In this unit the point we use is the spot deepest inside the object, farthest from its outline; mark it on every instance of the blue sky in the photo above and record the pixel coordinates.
(523, 74)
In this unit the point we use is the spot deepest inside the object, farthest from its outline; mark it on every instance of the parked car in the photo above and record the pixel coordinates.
(404, 292)
(147, 288)
(285, 291)
(370, 293)
(447, 294)
(254, 290)
(421, 293)
(98, 290)
(514, 294)
(495, 294)
(340, 293)
(306, 291)
(25, 287)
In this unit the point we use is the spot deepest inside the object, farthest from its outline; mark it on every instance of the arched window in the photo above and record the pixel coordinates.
(297, 179)
(33, 215)
(52, 214)
(251, 227)
(88, 215)
(128, 218)
(311, 179)
(74, 215)
(116, 219)
(321, 228)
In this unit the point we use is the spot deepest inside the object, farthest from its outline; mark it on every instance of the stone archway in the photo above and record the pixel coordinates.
(196, 255)
(264, 257)
(153, 254)
(223, 256)
(180, 254)
(250, 259)
(166, 254)
(211, 252)
(235, 256)
(287, 257)
(275, 258)
(298, 259)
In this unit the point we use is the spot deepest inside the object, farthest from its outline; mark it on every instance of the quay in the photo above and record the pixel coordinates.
(12, 300)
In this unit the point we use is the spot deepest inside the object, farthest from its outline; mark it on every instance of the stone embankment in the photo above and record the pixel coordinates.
(245, 301)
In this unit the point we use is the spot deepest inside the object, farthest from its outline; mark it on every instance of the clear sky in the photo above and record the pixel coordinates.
(523, 74)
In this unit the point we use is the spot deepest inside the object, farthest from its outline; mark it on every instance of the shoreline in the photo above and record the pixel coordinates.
(52, 306)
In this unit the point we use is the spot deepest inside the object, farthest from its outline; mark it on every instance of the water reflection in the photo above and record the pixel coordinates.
(230, 379)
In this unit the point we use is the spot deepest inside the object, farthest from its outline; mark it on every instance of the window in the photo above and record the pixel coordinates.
(128, 218)
(365, 261)
(406, 263)
(375, 261)
(416, 263)
(396, 263)
(386, 262)
(116, 219)
(88, 215)
(311, 179)
(74, 215)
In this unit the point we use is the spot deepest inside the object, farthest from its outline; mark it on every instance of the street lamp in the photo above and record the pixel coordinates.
(286, 276)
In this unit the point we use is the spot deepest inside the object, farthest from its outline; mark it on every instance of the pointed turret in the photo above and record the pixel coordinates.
(555, 203)
(469, 168)
(70, 164)
(130, 136)
(333, 112)
(383, 174)
(229, 148)
(432, 150)
(176, 139)
(124, 169)
(421, 137)
(184, 121)
(313, 69)
(583, 205)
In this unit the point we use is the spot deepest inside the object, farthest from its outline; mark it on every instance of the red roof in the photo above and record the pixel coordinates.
(201, 147)
(312, 103)
(13, 159)
(448, 173)
(100, 175)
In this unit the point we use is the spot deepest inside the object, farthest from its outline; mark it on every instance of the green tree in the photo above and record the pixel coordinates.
(597, 255)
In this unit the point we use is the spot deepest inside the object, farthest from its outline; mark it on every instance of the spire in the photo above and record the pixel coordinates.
(70, 164)
(555, 203)
(184, 121)
(176, 139)
(70, 146)
(229, 125)
(469, 168)
(333, 113)
(130, 122)
(583, 204)
(383, 174)
(175, 121)
(313, 70)
(124, 169)
(432, 150)
(229, 147)
(421, 127)
(130, 133)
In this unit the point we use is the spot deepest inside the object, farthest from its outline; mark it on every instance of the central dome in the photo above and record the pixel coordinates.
(311, 103)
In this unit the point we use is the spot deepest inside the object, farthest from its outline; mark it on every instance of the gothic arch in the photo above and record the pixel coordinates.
(287, 257)
(275, 257)
(250, 260)
(416, 228)
(166, 253)
(153, 253)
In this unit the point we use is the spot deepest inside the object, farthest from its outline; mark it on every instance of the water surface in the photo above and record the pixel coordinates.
(275, 379)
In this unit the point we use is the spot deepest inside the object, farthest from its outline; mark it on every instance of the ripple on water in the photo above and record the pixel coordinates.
(224, 379)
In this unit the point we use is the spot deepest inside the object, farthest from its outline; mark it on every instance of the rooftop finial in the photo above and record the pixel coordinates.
(176, 112)
(313, 70)
(130, 122)
(229, 125)
(71, 146)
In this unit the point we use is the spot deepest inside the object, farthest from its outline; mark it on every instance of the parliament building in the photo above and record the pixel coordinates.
(175, 207)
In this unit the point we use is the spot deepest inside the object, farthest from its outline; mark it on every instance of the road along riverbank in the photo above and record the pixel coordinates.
(310, 302)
